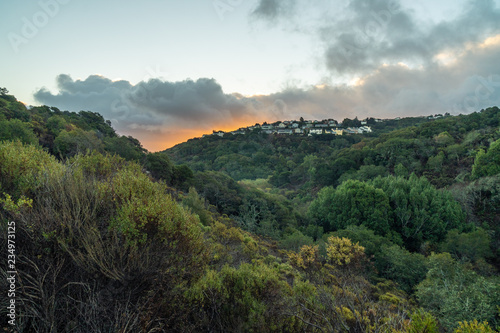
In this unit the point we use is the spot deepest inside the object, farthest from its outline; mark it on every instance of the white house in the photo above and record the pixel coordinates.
(316, 131)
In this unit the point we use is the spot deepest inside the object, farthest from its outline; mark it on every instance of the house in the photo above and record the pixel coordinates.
(321, 125)
(364, 122)
(285, 131)
(237, 132)
(298, 131)
(295, 125)
(219, 133)
(365, 129)
(267, 127)
(334, 131)
(351, 130)
(282, 125)
(338, 131)
(268, 131)
(316, 131)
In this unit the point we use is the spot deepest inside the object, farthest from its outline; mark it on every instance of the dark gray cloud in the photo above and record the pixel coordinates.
(169, 110)
(152, 103)
(361, 36)
(202, 99)
(379, 32)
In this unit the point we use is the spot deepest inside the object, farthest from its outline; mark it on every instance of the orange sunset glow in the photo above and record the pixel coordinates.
(154, 141)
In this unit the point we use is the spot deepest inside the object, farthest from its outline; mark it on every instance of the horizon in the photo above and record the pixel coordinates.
(177, 73)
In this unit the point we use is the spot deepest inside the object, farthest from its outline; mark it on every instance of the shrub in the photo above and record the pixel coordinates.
(21, 167)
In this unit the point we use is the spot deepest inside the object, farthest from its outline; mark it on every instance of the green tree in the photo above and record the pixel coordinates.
(181, 175)
(372, 243)
(127, 147)
(198, 206)
(420, 212)
(401, 266)
(220, 190)
(295, 241)
(453, 293)
(487, 163)
(75, 141)
(15, 129)
(160, 166)
(55, 124)
(471, 246)
(352, 203)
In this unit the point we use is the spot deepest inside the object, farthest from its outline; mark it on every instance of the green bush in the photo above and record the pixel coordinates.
(454, 293)
(22, 167)
(487, 163)
(250, 298)
(15, 129)
(470, 247)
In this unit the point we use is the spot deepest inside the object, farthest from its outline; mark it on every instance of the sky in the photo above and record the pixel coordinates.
(165, 71)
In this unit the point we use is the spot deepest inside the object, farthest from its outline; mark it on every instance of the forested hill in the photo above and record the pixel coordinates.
(392, 231)
(443, 150)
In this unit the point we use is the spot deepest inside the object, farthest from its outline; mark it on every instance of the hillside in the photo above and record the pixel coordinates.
(439, 149)
(391, 231)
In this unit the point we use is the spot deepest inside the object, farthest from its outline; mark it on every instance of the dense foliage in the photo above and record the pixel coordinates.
(397, 231)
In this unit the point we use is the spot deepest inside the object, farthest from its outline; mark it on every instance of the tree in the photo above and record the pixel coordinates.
(295, 241)
(487, 163)
(469, 247)
(69, 143)
(127, 147)
(420, 212)
(3, 91)
(352, 203)
(454, 293)
(351, 122)
(198, 206)
(160, 166)
(15, 129)
(182, 173)
(401, 266)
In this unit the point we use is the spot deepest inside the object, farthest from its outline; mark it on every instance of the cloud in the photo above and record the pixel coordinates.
(202, 100)
(469, 83)
(362, 35)
(162, 113)
(165, 109)
(271, 10)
